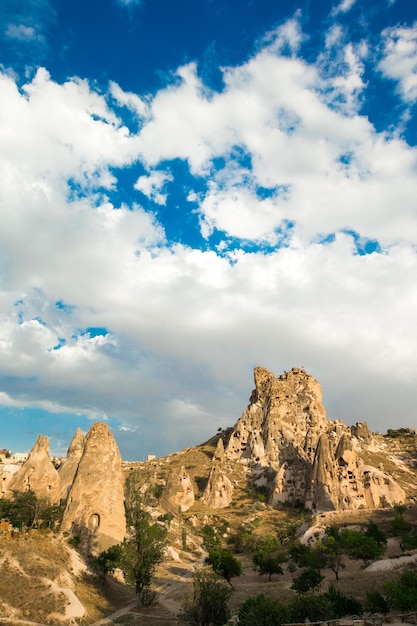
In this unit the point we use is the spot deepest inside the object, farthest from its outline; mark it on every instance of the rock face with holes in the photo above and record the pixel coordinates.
(69, 467)
(178, 493)
(37, 474)
(286, 439)
(95, 506)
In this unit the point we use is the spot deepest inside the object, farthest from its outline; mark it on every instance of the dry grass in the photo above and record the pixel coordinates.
(29, 568)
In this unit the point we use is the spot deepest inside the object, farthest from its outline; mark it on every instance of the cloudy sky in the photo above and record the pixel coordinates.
(190, 189)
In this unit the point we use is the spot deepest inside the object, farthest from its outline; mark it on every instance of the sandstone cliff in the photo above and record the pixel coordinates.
(316, 461)
(95, 505)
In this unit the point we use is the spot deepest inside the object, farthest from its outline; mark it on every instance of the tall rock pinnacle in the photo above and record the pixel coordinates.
(95, 505)
(38, 473)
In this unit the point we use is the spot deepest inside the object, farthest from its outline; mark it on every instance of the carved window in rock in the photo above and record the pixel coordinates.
(94, 521)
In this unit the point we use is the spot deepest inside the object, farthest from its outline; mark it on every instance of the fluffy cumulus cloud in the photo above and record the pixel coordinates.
(399, 61)
(307, 217)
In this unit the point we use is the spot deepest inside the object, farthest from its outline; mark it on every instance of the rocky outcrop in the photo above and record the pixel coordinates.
(178, 493)
(69, 467)
(316, 462)
(218, 492)
(37, 473)
(285, 416)
(95, 505)
(219, 451)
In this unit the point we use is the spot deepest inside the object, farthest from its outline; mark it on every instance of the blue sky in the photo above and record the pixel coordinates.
(192, 189)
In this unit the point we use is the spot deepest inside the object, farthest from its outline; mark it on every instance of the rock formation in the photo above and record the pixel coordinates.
(95, 505)
(69, 467)
(219, 451)
(178, 492)
(316, 462)
(37, 473)
(218, 492)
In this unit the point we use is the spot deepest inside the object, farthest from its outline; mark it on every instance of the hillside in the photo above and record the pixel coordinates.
(282, 470)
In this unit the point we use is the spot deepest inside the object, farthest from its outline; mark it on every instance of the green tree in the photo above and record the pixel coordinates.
(309, 580)
(359, 545)
(224, 563)
(262, 611)
(372, 530)
(399, 526)
(210, 538)
(142, 551)
(208, 604)
(331, 551)
(267, 556)
(343, 605)
(21, 510)
(106, 562)
(402, 594)
(315, 607)
(376, 602)
(243, 540)
(307, 556)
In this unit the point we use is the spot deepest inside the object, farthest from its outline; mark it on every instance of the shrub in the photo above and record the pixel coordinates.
(308, 580)
(224, 563)
(376, 603)
(314, 607)
(208, 604)
(343, 605)
(262, 611)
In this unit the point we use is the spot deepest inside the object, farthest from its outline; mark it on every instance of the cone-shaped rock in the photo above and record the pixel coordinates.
(178, 492)
(38, 473)
(218, 492)
(322, 477)
(95, 506)
(69, 467)
(219, 451)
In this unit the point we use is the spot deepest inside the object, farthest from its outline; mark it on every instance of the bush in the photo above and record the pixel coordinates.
(308, 580)
(399, 526)
(343, 605)
(314, 607)
(262, 611)
(402, 594)
(208, 604)
(224, 563)
(376, 603)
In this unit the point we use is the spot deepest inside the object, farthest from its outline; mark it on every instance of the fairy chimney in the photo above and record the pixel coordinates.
(38, 473)
(95, 506)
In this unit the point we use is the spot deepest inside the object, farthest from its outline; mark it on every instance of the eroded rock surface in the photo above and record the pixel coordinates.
(37, 473)
(315, 461)
(69, 467)
(219, 489)
(178, 492)
(95, 506)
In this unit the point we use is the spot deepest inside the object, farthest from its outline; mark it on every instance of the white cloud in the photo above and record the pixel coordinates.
(343, 7)
(184, 327)
(20, 32)
(152, 185)
(399, 60)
